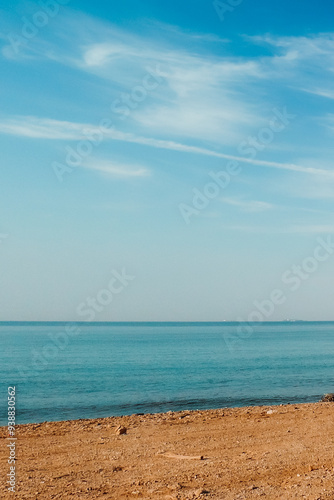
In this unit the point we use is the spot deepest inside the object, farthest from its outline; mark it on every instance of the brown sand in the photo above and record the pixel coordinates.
(278, 452)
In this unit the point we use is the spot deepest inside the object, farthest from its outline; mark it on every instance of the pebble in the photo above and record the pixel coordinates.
(120, 430)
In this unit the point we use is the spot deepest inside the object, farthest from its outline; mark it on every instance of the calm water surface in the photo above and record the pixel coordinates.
(118, 369)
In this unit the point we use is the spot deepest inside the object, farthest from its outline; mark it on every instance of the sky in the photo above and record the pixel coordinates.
(166, 161)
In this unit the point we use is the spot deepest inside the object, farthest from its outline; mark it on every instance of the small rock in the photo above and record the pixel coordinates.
(120, 430)
(117, 468)
(269, 412)
(176, 486)
(327, 398)
(201, 492)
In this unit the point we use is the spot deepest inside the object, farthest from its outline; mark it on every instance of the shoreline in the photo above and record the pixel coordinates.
(169, 411)
(278, 451)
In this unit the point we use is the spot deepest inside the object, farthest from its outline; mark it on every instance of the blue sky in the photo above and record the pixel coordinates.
(116, 119)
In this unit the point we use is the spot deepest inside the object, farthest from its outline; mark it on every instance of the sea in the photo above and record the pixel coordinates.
(64, 371)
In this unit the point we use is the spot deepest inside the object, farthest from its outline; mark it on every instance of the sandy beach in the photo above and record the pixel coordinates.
(278, 452)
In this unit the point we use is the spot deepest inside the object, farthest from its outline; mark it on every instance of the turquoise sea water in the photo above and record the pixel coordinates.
(117, 369)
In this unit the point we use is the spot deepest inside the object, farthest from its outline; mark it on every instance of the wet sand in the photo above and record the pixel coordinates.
(278, 452)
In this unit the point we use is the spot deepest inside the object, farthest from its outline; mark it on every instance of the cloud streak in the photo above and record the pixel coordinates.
(41, 128)
(292, 229)
(118, 170)
(251, 206)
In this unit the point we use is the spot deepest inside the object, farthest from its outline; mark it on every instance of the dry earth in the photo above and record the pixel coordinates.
(278, 452)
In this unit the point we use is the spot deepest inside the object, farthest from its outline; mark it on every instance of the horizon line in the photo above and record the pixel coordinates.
(62, 322)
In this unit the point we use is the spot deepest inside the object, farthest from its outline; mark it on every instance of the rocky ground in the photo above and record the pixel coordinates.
(278, 452)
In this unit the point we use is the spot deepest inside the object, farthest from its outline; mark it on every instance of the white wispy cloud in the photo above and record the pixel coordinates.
(207, 101)
(327, 93)
(178, 34)
(305, 63)
(112, 169)
(302, 47)
(201, 96)
(205, 95)
(42, 128)
(248, 206)
(292, 229)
